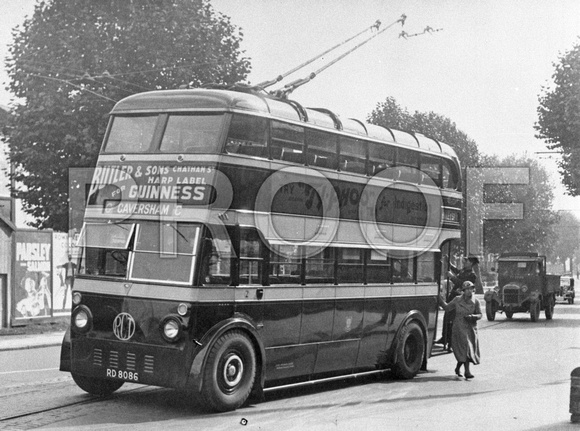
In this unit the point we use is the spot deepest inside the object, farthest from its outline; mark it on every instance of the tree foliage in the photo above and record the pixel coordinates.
(568, 237)
(537, 230)
(390, 114)
(73, 59)
(559, 117)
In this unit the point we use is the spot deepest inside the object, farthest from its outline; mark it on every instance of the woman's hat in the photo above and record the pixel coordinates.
(467, 285)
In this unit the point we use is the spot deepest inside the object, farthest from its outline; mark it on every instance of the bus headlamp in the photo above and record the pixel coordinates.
(171, 329)
(82, 320)
(524, 288)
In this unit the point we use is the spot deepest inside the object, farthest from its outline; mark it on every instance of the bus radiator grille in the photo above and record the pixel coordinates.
(148, 365)
(114, 359)
(131, 362)
(98, 357)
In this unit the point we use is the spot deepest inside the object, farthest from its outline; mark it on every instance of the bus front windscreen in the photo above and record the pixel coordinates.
(142, 251)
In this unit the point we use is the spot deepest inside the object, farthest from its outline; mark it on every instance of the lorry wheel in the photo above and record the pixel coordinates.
(95, 386)
(230, 372)
(535, 311)
(509, 314)
(549, 308)
(570, 300)
(490, 310)
(409, 352)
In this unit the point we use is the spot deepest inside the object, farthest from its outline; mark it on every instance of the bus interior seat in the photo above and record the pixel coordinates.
(291, 155)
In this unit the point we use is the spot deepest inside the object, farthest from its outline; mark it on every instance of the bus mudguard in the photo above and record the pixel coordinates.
(65, 353)
(240, 322)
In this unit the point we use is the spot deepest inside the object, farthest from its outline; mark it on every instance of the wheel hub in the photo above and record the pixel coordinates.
(233, 371)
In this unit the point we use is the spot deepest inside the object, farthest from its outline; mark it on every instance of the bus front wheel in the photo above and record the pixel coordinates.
(229, 373)
(96, 386)
(409, 351)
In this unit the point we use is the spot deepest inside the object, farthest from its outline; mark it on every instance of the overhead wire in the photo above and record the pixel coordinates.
(73, 85)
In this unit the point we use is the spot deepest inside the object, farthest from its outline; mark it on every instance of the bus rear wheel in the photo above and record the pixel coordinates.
(230, 372)
(96, 386)
(409, 351)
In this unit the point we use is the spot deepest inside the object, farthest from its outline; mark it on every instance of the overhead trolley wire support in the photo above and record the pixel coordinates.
(288, 88)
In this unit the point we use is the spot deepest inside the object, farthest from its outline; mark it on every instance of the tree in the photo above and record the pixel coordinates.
(559, 117)
(537, 230)
(391, 115)
(73, 60)
(568, 237)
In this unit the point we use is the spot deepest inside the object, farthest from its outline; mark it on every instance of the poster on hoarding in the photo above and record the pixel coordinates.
(62, 273)
(32, 286)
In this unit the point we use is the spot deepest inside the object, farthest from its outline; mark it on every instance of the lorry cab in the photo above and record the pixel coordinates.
(523, 286)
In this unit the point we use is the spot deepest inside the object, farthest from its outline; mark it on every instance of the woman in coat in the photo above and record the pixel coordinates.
(464, 339)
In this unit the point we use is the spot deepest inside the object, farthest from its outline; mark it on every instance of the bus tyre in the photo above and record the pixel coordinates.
(229, 373)
(509, 314)
(96, 386)
(549, 310)
(409, 351)
(535, 311)
(490, 309)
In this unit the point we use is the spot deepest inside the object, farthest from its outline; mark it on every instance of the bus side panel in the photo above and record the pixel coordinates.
(374, 342)
(290, 364)
(317, 319)
(281, 323)
(340, 354)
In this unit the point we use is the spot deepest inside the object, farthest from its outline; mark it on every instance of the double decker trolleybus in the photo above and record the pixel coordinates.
(234, 242)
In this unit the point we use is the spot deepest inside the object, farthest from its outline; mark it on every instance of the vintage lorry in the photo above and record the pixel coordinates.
(567, 289)
(523, 286)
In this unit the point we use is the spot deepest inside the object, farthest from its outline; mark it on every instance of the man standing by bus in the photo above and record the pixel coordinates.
(69, 278)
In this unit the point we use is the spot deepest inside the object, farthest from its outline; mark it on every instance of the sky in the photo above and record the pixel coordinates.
(484, 69)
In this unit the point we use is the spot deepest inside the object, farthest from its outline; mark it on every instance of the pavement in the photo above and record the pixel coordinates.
(31, 341)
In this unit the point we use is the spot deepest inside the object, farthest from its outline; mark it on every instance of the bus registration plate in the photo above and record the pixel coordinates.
(124, 375)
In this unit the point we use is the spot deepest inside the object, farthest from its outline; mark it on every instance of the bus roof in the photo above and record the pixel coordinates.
(185, 100)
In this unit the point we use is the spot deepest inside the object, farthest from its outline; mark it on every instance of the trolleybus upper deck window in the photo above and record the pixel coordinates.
(381, 157)
(353, 155)
(131, 134)
(248, 135)
(287, 142)
(322, 149)
(192, 134)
